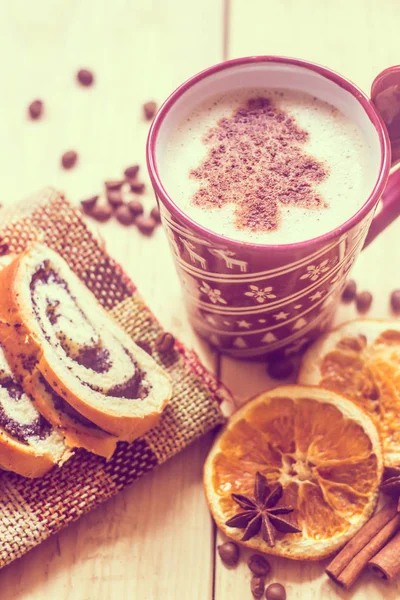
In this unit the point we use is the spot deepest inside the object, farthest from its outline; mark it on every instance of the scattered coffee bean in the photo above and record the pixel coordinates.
(69, 159)
(280, 368)
(229, 553)
(124, 215)
(349, 291)
(395, 301)
(165, 342)
(135, 207)
(89, 204)
(257, 586)
(114, 184)
(4, 248)
(275, 591)
(363, 301)
(85, 77)
(259, 565)
(114, 198)
(131, 172)
(149, 109)
(101, 213)
(137, 188)
(145, 225)
(35, 109)
(155, 213)
(144, 346)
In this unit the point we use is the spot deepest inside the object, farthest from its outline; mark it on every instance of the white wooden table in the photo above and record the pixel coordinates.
(156, 540)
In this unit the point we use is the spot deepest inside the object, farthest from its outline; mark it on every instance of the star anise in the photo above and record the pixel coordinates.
(260, 512)
(391, 483)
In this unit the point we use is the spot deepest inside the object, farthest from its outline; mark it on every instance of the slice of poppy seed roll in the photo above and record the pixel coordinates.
(52, 326)
(29, 445)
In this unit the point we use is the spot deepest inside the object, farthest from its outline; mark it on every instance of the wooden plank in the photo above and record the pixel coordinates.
(155, 538)
(343, 36)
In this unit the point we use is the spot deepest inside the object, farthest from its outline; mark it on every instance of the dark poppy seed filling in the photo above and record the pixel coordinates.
(84, 345)
(38, 428)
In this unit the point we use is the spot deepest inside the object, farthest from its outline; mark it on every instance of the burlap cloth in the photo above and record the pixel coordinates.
(31, 510)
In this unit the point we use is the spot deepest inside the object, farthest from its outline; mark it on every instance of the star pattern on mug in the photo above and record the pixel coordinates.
(243, 324)
(316, 296)
(281, 316)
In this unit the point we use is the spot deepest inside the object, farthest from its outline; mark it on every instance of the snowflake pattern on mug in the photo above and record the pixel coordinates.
(214, 295)
(261, 295)
(314, 272)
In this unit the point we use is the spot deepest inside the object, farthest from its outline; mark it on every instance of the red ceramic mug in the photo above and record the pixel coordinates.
(251, 300)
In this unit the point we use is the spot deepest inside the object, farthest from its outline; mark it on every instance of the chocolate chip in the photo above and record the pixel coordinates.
(349, 291)
(149, 109)
(89, 204)
(280, 368)
(145, 225)
(69, 159)
(101, 213)
(257, 586)
(165, 342)
(395, 301)
(131, 172)
(114, 198)
(144, 346)
(275, 591)
(85, 77)
(155, 213)
(259, 565)
(114, 184)
(137, 188)
(135, 207)
(229, 553)
(363, 301)
(124, 215)
(35, 109)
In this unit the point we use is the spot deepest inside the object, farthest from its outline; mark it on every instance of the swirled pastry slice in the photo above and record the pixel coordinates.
(29, 445)
(54, 327)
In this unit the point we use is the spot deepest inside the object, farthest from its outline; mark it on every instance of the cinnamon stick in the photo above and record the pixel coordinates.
(348, 564)
(386, 564)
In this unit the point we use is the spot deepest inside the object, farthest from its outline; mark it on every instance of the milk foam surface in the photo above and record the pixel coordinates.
(333, 139)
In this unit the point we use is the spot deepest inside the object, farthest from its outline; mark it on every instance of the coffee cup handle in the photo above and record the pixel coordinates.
(385, 94)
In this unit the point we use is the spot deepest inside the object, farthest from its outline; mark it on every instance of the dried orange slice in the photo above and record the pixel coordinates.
(361, 360)
(323, 450)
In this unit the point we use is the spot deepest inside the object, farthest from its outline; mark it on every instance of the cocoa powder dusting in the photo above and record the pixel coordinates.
(256, 161)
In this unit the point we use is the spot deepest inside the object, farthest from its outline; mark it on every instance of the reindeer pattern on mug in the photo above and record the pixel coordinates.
(245, 310)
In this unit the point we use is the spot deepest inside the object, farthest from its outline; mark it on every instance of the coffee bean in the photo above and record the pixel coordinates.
(395, 301)
(4, 248)
(135, 207)
(114, 184)
(363, 301)
(280, 368)
(145, 225)
(69, 159)
(229, 553)
(149, 109)
(165, 342)
(275, 591)
(131, 172)
(155, 213)
(257, 586)
(259, 565)
(124, 215)
(85, 77)
(35, 109)
(144, 346)
(349, 291)
(114, 198)
(137, 188)
(101, 213)
(89, 204)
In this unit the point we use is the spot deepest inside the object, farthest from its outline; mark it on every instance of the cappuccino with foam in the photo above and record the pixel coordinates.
(268, 166)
